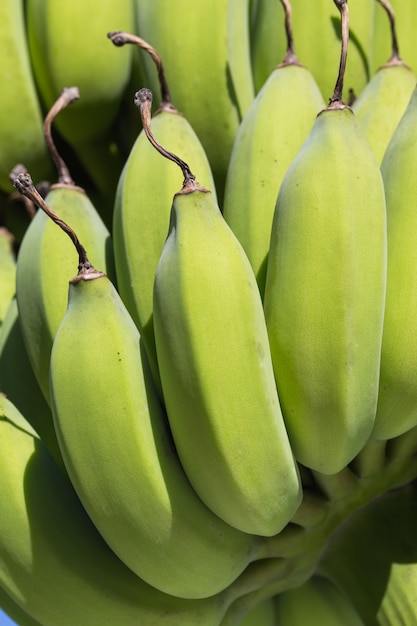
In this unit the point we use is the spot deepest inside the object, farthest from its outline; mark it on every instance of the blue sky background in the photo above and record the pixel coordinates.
(5, 619)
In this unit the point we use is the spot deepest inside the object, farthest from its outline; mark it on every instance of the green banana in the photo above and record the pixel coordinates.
(325, 288)
(406, 20)
(317, 602)
(267, 40)
(14, 611)
(21, 137)
(46, 258)
(210, 72)
(215, 365)
(67, 45)
(318, 29)
(142, 204)
(383, 101)
(133, 486)
(399, 603)
(269, 137)
(18, 382)
(17, 211)
(53, 562)
(397, 400)
(7, 271)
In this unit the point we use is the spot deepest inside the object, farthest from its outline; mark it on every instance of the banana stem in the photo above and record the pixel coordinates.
(143, 100)
(291, 557)
(66, 97)
(28, 204)
(120, 38)
(290, 56)
(243, 604)
(395, 54)
(268, 578)
(285, 545)
(402, 447)
(24, 185)
(313, 509)
(256, 576)
(337, 486)
(371, 459)
(336, 100)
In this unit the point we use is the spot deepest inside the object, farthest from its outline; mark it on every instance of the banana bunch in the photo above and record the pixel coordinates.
(208, 396)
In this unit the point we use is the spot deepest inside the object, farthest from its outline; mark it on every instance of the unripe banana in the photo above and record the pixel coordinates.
(18, 211)
(7, 271)
(132, 486)
(18, 382)
(325, 289)
(212, 60)
(14, 611)
(318, 29)
(53, 562)
(399, 604)
(269, 137)
(46, 254)
(215, 365)
(21, 137)
(318, 602)
(267, 39)
(383, 101)
(406, 20)
(143, 201)
(67, 43)
(397, 401)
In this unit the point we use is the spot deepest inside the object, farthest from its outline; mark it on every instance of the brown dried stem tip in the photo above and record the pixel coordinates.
(143, 100)
(28, 204)
(24, 185)
(120, 38)
(336, 100)
(290, 56)
(395, 54)
(66, 97)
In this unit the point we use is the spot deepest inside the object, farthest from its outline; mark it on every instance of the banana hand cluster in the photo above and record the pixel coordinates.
(208, 396)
